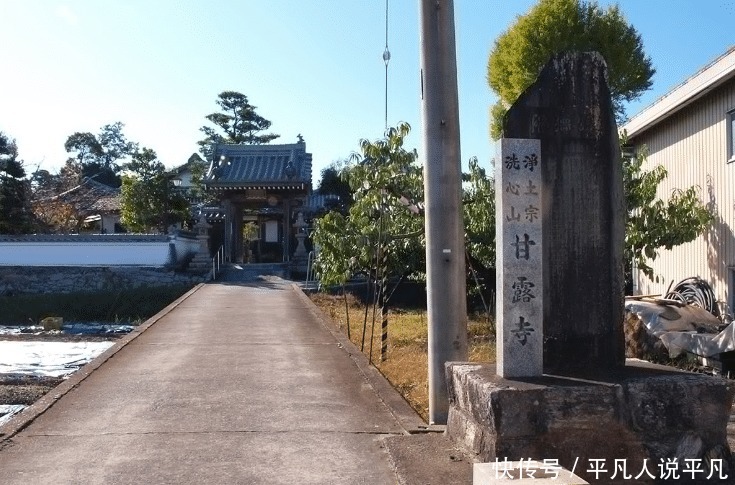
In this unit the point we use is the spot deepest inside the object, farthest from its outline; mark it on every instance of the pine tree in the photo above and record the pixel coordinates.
(15, 212)
(239, 123)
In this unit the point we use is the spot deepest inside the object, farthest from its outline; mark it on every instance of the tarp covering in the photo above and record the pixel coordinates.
(7, 411)
(685, 328)
(55, 359)
(70, 328)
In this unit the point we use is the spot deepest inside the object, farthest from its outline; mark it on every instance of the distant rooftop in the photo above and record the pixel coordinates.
(194, 158)
(92, 197)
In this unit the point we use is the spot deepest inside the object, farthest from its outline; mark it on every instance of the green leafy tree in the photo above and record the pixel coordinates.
(478, 202)
(115, 146)
(552, 26)
(386, 183)
(654, 224)
(479, 214)
(100, 156)
(237, 123)
(338, 244)
(86, 147)
(149, 201)
(15, 212)
(334, 182)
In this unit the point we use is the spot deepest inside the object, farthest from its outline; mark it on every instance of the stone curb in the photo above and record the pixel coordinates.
(407, 418)
(29, 414)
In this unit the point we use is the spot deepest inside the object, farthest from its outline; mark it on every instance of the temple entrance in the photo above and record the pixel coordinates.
(260, 188)
(263, 240)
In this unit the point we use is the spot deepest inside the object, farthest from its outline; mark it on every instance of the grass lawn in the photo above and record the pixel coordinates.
(406, 366)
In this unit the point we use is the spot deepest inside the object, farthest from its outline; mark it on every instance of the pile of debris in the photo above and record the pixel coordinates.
(686, 321)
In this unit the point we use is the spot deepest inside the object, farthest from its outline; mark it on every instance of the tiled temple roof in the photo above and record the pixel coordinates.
(237, 167)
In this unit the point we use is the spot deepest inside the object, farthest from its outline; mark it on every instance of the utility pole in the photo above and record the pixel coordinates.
(445, 255)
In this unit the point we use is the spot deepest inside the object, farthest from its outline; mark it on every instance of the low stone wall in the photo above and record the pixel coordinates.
(16, 280)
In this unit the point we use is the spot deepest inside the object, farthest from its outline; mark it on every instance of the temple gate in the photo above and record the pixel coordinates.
(260, 188)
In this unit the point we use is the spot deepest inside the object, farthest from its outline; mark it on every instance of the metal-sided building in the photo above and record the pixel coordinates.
(691, 132)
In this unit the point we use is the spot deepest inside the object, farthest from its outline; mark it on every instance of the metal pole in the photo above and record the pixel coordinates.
(445, 264)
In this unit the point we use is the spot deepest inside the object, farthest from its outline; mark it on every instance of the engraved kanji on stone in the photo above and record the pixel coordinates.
(512, 188)
(522, 290)
(531, 189)
(523, 247)
(512, 162)
(513, 216)
(532, 213)
(523, 331)
(530, 161)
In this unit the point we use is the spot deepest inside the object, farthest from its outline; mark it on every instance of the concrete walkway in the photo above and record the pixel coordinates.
(235, 383)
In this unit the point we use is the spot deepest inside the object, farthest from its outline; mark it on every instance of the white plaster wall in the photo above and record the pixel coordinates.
(84, 253)
(185, 248)
(108, 223)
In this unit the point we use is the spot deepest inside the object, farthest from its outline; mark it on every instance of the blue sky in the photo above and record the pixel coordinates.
(311, 67)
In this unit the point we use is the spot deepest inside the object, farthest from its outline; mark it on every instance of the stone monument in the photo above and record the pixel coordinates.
(519, 247)
(570, 111)
(300, 225)
(300, 257)
(561, 284)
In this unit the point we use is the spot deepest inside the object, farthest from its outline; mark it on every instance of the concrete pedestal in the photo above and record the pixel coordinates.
(644, 412)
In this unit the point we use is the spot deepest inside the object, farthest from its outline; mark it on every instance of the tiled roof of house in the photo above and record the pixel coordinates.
(92, 197)
(106, 204)
(260, 167)
(194, 158)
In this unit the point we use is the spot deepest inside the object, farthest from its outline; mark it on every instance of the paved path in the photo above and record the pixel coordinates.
(239, 383)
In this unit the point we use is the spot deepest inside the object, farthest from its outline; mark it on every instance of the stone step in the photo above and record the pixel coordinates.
(246, 272)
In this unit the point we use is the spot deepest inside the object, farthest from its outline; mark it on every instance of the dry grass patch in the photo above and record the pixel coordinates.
(407, 360)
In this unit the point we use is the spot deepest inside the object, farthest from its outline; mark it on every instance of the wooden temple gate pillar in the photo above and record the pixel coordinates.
(233, 231)
(237, 236)
(286, 229)
(229, 222)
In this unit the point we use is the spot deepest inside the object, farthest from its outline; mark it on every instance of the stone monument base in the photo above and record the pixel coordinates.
(299, 265)
(646, 411)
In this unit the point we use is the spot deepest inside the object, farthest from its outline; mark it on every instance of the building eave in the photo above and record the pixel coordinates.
(257, 186)
(705, 80)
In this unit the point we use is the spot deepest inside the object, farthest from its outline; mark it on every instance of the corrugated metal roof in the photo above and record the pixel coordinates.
(318, 201)
(243, 166)
(702, 82)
